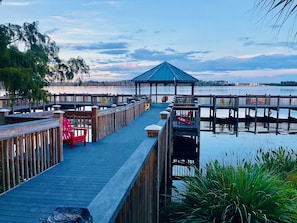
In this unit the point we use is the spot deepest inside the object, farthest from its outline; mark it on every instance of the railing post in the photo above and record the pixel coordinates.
(134, 116)
(59, 114)
(56, 107)
(114, 106)
(125, 121)
(3, 113)
(95, 124)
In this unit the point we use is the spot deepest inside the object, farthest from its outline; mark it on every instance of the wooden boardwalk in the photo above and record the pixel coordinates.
(78, 180)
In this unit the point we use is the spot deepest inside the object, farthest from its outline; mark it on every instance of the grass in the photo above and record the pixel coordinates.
(242, 193)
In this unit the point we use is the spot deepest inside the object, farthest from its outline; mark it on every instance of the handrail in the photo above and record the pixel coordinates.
(27, 149)
(133, 194)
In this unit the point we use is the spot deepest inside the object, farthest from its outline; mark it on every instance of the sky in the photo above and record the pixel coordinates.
(213, 40)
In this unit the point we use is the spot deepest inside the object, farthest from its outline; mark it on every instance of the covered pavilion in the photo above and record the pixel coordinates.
(164, 74)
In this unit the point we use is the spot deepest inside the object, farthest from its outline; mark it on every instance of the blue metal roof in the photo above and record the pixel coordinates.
(165, 73)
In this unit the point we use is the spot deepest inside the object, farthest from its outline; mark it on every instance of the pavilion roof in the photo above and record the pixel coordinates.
(165, 73)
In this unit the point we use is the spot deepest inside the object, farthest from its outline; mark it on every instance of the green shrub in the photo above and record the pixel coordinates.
(236, 194)
(281, 161)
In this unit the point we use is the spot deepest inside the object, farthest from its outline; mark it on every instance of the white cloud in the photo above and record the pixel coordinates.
(16, 3)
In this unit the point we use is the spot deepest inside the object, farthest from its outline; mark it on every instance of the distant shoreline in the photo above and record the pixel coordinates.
(200, 83)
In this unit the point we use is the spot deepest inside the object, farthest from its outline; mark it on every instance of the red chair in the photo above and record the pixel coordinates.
(184, 118)
(73, 135)
(164, 99)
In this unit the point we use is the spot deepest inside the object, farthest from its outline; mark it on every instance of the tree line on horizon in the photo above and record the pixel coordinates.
(131, 83)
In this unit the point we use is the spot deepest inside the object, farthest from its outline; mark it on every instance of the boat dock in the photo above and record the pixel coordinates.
(81, 177)
(122, 173)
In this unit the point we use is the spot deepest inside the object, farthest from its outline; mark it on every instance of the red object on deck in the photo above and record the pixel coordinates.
(184, 118)
(73, 135)
(164, 98)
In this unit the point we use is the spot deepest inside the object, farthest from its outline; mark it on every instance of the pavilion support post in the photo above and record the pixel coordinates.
(139, 89)
(175, 86)
(192, 93)
(151, 86)
(135, 88)
(156, 92)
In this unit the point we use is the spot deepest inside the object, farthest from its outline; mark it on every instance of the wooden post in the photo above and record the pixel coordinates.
(56, 107)
(3, 113)
(125, 121)
(59, 114)
(95, 124)
(114, 106)
(277, 115)
(134, 116)
(214, 114)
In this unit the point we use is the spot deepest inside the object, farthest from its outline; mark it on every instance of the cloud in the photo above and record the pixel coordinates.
(166, 55)
(246, 41)
(275, 61)
(51, 31)
(97, 46)
(16, 3)
(245, 69)
(115, 52)
(94, 3)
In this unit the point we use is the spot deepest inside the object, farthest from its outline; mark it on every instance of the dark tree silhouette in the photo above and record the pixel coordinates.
(29, 60)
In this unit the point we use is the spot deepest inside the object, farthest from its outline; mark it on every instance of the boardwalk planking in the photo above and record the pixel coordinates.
(83, 174)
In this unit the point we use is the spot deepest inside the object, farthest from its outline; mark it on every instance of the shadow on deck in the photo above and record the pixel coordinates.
(80, 178)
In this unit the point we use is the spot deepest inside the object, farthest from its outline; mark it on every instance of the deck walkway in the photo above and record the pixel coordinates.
(76, 181)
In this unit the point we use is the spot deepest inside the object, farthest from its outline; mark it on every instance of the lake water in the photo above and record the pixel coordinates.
(213, 146)
(199, 90)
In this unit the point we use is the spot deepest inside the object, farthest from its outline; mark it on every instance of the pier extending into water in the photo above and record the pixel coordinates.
(121, 170)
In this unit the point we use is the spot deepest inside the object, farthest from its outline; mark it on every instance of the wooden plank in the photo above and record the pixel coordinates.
(17, 160)
(22, 164)
(2, 152)
(6, 131)
(7, 169)
(12, 161)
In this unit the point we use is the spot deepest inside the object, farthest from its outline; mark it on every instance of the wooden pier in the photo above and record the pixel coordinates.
(107, 177)
(121, 175)
(226, 114)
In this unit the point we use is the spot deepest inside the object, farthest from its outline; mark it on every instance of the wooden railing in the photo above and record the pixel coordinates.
(101, 123)
(137, 186)
(31, 143)
(238, 100)
(70, 101)
(27, 149)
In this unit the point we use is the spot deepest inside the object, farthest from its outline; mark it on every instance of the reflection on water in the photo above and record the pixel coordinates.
(203, 90)
(215, 146)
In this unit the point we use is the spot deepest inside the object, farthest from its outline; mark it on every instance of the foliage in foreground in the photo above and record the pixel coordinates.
(282, 162)
(243, 193)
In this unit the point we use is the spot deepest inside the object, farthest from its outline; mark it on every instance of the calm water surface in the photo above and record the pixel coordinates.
(205, 90)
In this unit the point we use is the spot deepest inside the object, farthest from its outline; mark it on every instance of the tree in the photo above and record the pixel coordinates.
(281, 10)
(29, 60)
(66, 70)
